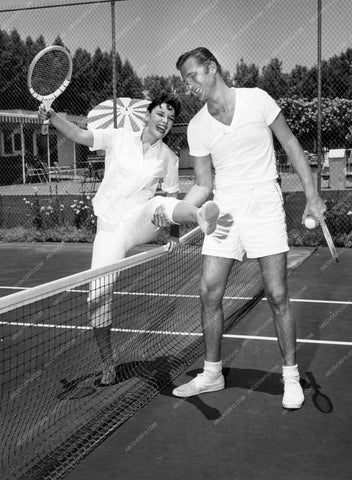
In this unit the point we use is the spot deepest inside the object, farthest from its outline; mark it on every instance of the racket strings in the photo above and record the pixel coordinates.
(49, 73)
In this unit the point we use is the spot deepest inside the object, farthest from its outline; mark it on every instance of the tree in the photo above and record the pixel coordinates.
(337, 76)
(246, 75)
(177, 85)
(296, 83)
(131, 85)
(78, 98)
(226, 75)
(13, 71)
(58, 41)
(6, 70)
(154, 85)
(99, 79)
(272, 79)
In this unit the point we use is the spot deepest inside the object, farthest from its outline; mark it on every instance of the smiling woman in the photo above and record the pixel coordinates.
(129, 213)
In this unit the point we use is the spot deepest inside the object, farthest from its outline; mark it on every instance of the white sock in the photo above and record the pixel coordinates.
(212, 369)
(290, 371)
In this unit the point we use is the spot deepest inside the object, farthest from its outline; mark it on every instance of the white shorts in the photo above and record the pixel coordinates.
(252, 222)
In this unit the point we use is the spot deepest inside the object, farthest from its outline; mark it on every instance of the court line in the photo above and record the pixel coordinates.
(173, 295)
(169, 332)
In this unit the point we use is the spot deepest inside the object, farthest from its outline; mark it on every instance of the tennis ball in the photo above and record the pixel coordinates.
(310, 223)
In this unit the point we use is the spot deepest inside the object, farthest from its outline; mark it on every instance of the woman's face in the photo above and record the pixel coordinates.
(160, 121)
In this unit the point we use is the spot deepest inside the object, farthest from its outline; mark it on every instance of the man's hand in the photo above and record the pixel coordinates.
(160, 219)
(315, 208)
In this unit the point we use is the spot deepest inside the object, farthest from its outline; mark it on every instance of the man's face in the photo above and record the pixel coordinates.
(200, 79)
(161, 120)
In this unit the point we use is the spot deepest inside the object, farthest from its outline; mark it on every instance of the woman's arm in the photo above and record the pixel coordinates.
(68, 129)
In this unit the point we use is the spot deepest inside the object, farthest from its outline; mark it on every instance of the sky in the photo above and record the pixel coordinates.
(151, 34)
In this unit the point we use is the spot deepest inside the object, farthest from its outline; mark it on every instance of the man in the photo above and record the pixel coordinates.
(233, 131)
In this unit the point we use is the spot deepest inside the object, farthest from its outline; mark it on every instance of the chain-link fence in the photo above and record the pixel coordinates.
(128, 49)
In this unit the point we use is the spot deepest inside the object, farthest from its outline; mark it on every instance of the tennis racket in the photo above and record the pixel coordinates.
(49, 75)
(328, 239)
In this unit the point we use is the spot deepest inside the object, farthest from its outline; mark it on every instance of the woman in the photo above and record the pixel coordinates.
(125, 203)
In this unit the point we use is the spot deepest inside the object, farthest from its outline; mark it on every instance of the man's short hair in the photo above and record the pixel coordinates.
(201, 54)
(169, 99)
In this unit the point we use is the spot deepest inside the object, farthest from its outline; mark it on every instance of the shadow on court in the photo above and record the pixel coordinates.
(156, 374)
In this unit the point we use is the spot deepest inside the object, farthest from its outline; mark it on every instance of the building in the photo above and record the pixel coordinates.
(26, 154)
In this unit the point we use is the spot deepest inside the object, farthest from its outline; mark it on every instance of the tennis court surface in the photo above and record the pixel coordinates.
(57, 423)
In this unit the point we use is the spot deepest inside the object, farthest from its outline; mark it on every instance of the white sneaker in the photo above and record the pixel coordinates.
(200, 384)
(207, 217)
(293, 394)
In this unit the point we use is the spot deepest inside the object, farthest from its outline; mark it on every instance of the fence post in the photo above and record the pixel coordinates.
(113, 54)
(319, 146)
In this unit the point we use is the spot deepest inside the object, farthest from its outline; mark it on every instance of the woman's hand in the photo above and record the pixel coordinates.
(160, 218)
(45, 114)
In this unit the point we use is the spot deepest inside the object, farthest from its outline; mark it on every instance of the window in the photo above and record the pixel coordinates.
(17, 144)
(7, 136)
(11, 142)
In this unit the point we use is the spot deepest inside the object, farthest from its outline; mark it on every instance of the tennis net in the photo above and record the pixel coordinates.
(53, 412)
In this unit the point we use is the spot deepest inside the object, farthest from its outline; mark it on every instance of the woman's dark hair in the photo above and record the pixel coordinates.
(169, 99)
(202, 55)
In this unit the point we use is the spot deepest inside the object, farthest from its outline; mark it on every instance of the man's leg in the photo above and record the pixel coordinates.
(215, 274)
(213, 282)
(274, 272)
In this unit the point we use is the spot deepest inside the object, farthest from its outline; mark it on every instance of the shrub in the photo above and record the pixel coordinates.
(84, 213)
(44, 212)
(339, 215)
(53, 234)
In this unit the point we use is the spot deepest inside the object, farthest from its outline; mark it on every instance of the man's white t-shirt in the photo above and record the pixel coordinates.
(130, 177)
(242, 152)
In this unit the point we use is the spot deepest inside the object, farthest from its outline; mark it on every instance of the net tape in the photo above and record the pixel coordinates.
(53, 412)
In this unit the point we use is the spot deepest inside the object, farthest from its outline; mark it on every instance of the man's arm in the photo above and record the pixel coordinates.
(315, 207)
(203, 187)
(68, 129)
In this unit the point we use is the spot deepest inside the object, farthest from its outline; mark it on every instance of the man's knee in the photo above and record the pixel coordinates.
(278, 297)
(210, 294)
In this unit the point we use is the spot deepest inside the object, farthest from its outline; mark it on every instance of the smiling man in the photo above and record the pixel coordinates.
(233, 131)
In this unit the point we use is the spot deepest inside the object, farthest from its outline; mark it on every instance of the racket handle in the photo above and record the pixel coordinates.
(45, 127)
